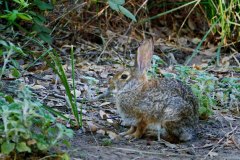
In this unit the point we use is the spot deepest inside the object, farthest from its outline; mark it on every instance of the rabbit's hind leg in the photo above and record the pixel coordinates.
(140, 130)
(128, 132)
(180, 131)
(186, 134)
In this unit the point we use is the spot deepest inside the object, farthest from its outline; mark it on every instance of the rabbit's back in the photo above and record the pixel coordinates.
(159, 100)
(167, 96)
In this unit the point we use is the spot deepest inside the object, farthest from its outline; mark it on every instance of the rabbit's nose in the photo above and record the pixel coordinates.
(113, 89)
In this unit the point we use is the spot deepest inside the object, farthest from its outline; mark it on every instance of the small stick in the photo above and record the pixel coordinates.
(215, 146)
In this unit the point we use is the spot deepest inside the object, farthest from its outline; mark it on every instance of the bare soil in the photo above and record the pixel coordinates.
(218, 138)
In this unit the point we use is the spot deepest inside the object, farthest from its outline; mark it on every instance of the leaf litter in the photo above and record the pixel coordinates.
(218, 137)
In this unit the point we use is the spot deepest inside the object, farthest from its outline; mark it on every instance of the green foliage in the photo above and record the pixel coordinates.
(203, 87)
(116, 5)
(20, 12)
(106, 142)
(25, 126)
(211, 91)
(156, 62)
(229, 91)
(8, 50)
(226, 13)
(224, 19)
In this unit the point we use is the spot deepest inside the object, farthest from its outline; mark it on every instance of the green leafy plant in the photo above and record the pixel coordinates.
(210, 91)
(223, 17)
(156, 63)
(26, 126)
(116, 5)
(228, 92)
(7, 51)
(20, 12)
(203, 86)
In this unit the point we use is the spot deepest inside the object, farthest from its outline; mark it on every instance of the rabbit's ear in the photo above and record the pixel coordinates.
(144, 55)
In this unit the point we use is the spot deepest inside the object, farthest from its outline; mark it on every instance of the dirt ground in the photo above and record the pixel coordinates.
(218, 138)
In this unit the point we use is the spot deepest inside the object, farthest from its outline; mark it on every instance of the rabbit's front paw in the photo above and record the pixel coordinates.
(129, 136)
(135, 135)
(128, 132)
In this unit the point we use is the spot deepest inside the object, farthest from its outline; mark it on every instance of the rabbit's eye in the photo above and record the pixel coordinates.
(124, 76)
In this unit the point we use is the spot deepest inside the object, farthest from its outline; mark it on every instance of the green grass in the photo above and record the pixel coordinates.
(223, 18)
(57, 67)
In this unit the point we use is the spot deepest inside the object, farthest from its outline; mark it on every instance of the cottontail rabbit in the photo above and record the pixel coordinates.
(164, 103)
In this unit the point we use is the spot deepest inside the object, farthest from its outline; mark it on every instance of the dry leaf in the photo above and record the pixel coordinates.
(196, 40)
(191, 24)
(83, 110)
(78, 93)
(226, 61)
(50, 103)
(110, 120)
(207, 145)
(229, 118)
(204, 65)
(92, 127)
(112, 135)
(170, 145)
(213, 154)
(31, 142)
(35, 87)
(197, 67)
(104, 74)
(104, 104)
(103, 115)
(101, 131)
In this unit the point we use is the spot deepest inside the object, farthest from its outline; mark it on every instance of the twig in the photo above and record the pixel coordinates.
(105, 94)
(155, 153)
(202, 147)
(215, 146)
(63, 15)
(234, 141)
(105, 46)
(97, 15)
(130, 25)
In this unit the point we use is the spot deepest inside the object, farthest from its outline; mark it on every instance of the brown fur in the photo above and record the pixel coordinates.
(164, 102)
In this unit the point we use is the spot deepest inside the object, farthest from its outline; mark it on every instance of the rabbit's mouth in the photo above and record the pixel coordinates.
(114, 91)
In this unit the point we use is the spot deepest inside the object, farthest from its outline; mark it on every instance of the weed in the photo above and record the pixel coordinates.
(20, 12)
(7, 51)
(57, 67)
(209, 90)
(26, 126)
(106, 142)
(117, 6)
